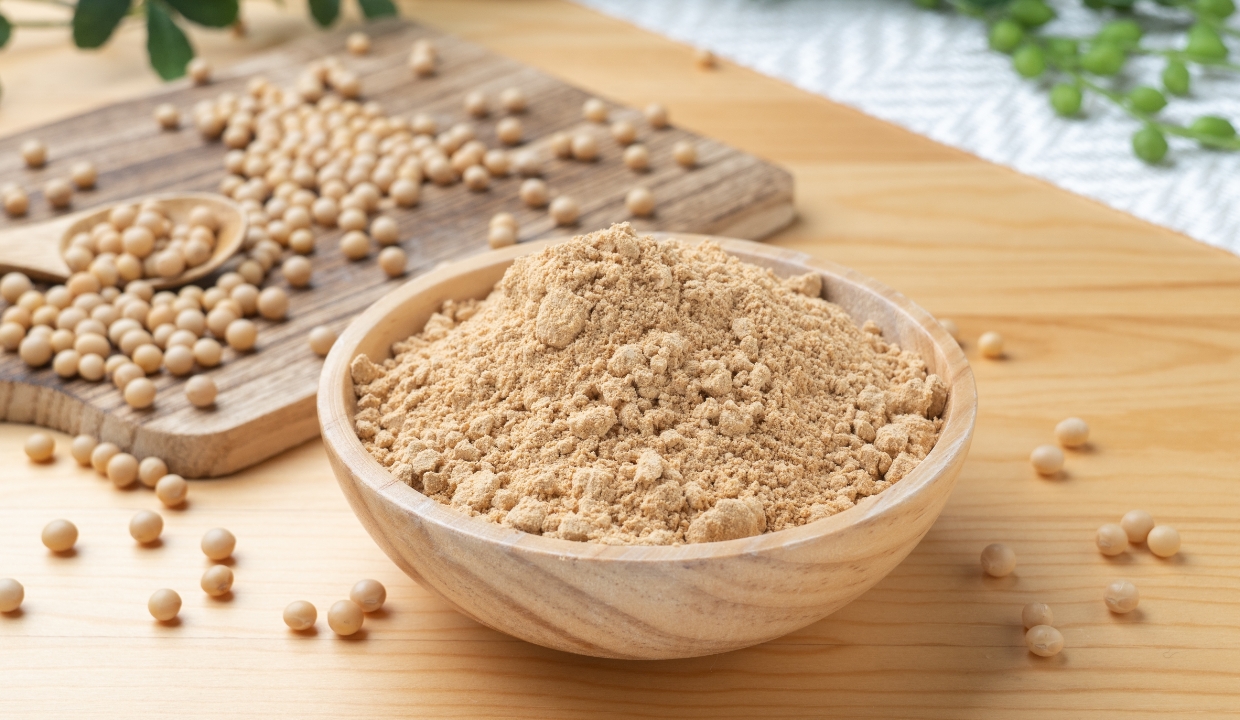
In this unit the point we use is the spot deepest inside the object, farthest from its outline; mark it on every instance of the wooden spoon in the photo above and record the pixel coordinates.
(37, 250)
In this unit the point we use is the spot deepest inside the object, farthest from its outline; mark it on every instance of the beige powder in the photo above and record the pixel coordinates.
(620, 390)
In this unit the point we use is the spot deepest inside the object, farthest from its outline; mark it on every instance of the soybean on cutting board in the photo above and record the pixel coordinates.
(266, 399)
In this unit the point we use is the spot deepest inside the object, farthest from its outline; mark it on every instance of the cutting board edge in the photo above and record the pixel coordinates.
(192, 455)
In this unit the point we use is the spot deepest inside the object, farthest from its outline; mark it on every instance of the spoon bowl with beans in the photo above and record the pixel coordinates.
(168, 240)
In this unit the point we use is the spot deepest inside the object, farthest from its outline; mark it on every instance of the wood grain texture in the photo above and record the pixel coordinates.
(266, 400)
(641, 602)
(1128, 325)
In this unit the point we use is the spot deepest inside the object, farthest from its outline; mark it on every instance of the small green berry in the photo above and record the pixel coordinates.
(1175, 78)
(1147, 99)
(1216, 8)
(1103, 58)
(1125, 33)
(1149, 144)
(1066, 99)
(1006, 36)
(1031, 13)
(1205, 45)
(1063, 51)
(1213, 127)
(1029, 61)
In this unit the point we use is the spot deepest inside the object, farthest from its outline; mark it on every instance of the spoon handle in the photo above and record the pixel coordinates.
(35, 249)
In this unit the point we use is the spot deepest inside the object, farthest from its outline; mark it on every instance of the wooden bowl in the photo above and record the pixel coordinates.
(644, 602)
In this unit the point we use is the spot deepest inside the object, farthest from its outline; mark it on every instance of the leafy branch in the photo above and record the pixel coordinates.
(94, 21)
(1088, 65)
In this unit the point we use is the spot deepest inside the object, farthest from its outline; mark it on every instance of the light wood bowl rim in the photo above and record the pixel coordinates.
(337, 430)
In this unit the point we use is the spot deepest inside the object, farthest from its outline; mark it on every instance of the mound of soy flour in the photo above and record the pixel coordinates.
(620, 390)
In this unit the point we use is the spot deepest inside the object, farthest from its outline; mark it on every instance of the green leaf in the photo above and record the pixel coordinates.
(377, 8)
(168, 47)
(1031, 13)
(94, 21)
(325, 11)
(212, 13)
(6, 30)
(1205, 45)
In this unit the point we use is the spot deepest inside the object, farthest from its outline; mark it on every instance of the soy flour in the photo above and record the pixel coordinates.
(620, 390)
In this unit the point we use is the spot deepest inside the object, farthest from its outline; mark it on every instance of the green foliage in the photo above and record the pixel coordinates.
(1031, 13)
(94, 21)
(1074, 67)
(1149, 144)
(1146, 99)
(1029, 61)
(377, 8)
(1103, 58)
(211, 13)
(325, 12)
(1205, 45)
(1124, 33)
(1175, 78)
(1006, 36)
(1063, 52)
(166, 44)
(1212, 127)
(1217, 9)
(1066, 99)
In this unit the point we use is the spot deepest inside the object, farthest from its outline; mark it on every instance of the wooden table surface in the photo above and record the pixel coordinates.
(1130, 326)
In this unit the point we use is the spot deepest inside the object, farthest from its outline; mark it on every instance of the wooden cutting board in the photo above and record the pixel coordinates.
(266, 400)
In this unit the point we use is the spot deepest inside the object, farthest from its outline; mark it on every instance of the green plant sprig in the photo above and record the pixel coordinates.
(1149, 141)
(1082, 65)
(95, 21)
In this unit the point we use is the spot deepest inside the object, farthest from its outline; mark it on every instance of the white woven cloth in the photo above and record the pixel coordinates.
(932, 73)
